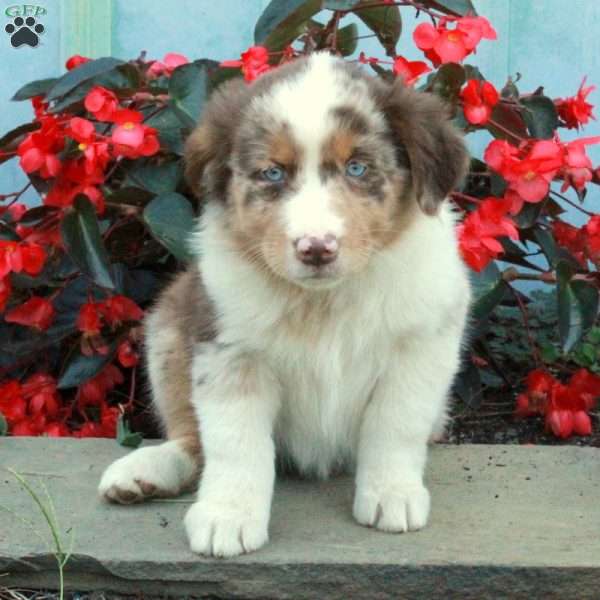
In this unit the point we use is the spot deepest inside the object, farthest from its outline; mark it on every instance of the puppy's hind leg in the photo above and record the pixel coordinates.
(173, 466)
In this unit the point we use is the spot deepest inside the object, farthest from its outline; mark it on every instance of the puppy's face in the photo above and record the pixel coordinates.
(320, 166)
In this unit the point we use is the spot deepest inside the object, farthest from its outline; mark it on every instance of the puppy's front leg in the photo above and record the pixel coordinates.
(408, 401)
(236, 399)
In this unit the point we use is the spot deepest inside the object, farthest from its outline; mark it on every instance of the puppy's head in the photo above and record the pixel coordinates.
(319, 166)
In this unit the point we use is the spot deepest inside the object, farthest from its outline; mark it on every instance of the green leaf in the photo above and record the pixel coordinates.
(468, 386)
(125, 436)
(171, 220)
(188, 91)
(3, 425)
(347, 39)
(490, 290)
(513, 125)
(80, 368)
(577, 306)
(384, 21)
(81, 236)
(157, 179)
(339, 4)
(39, 87)
(459, 8)
(540, 116)
(13, 134)
(85, 72)
(282, 22)
(169, 128)
(447, 81)
(549, 353)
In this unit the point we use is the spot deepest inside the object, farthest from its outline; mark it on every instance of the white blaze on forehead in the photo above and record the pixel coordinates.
(306, 102)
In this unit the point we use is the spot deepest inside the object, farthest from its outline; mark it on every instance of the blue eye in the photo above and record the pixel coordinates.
(355, 168)
(274, 174)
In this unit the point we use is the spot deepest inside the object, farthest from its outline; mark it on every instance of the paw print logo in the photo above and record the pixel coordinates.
(24, 31)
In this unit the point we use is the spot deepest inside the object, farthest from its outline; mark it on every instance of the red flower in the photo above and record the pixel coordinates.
(127, 356)
(575, 110)
(254, 62)
(479, 98)
(12, 404)
(38, 151)
(477, 234)
(102, 103)
(132, 139)
(571, 238)
(409, 71)
(577, 167)
(367, 60)
(592, 239)
(21, 256)
(443, 45)
(119, 309)
(5, 291)
(37, 312)
(560, 422)
(89, 319)
(75, 61)
(587, 386)
(56, 429)
(169, 63)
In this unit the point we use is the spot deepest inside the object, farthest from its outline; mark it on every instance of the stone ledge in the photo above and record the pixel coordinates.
(507, 522)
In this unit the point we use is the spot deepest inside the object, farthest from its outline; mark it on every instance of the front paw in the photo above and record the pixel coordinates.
(221, 529)
(396, 508)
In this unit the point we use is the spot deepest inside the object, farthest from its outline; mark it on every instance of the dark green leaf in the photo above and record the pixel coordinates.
(339, 4)
(528, 215)
(540, 116)
(384, 21)
(155, 178)
(73, 101)
(13, 134)
(459, 8)
(3, 425)
(577, 306)
(125, 436)
(513, 126)
(81, 236)
(36, 214)
(188, 91)
(34, 88)
(282, 22)
(8, 233)
(171, 220)
(546, 241)
(347, 39)
(490, 290)
(169, 128)
(447, 81)
(85, 72)
(80, 368)
(510, 91)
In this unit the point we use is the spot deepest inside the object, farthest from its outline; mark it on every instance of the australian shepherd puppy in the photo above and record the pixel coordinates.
(321, 323)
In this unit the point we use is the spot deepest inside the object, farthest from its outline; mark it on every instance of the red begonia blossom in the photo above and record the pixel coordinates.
(592, 239)
(479, 98)
(21, 256)
(94, 149)
(577, 166)
(478, 232)
(37, 312)
(443, 45)
(127, 356)
(102, 103)
(119, 309)
(169, 63)
(38, 151)
(571, 238)
(131, 138)
(254, 62)
(5, 292)
(409, 71)
(76, 61)
(575, 111)
(89, 319)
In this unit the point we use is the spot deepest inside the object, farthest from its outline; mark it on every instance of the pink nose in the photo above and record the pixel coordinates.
(316, 251)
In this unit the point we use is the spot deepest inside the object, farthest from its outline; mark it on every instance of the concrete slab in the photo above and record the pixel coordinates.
(507, 522)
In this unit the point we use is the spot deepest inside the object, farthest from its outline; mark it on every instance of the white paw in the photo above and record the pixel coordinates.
(224, 529)
(396, 508)
(154, 471)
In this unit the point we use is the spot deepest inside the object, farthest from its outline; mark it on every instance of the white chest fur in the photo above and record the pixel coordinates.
(328, 348)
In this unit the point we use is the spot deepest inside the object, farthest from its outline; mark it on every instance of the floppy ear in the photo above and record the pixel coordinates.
(207, 149)
(422, 131)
